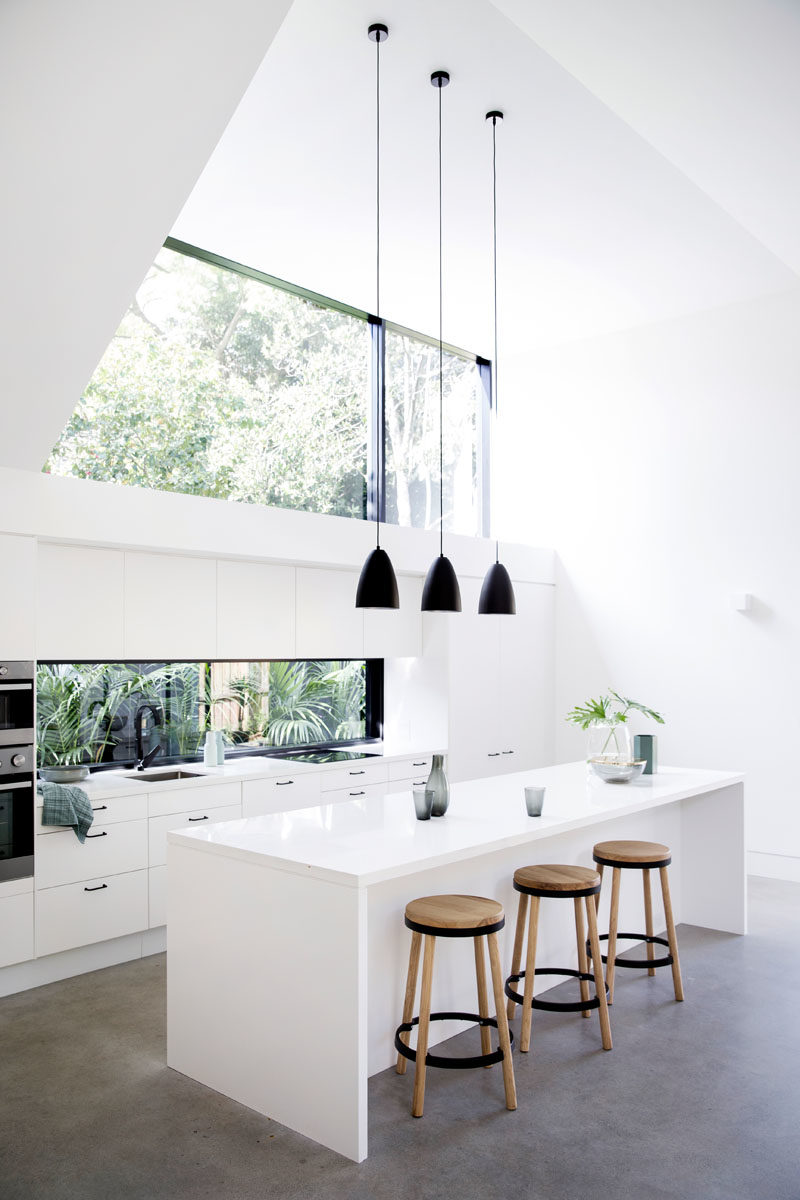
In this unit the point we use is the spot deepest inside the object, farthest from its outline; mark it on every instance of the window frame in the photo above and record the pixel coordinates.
(376, 413)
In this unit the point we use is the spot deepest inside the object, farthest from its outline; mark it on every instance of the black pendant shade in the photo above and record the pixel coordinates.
(377, 584)
(441, 592)
(497, 593)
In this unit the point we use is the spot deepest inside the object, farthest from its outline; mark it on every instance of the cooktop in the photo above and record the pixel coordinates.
(326, 756)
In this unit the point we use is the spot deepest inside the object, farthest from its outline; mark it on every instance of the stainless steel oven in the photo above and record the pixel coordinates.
(16, 703)
(16, 812)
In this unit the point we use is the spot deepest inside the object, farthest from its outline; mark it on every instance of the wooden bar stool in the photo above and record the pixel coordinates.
(644, 857)
(556, 882)
(454, 917)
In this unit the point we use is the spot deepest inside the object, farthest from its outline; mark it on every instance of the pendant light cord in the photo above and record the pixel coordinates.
(441, 381)
(494, 251)
(379, 462)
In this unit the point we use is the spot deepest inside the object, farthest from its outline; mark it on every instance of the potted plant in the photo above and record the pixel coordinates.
(606, 722)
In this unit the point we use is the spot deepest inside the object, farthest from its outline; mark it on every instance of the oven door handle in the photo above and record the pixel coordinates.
(16, 687)
(13, 787)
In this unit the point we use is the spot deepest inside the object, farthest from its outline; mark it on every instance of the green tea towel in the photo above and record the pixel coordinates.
(65, 804)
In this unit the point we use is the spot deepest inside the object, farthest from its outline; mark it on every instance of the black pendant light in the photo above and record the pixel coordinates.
(497, 593)
(441, 592)
(377, 584)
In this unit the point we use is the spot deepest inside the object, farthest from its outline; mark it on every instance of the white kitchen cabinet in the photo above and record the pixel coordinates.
(183, 798)
(157, 896)
(170, 607)
(79, 603)
(279, 794)
(328, 623)
(62, 859)
(93, 910)
(396, 632)
(502, 684)
(106, 812)
(16, 921)
(18, 556)
(255, 610)
(354, 774)
(159, 827)
(415, 769)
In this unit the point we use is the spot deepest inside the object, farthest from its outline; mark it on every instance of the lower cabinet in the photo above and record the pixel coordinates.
(94, 910)
(260, 797)
(61, 858)
(16, 922)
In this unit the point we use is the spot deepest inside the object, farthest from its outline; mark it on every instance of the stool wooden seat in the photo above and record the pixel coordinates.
(644, 857)
(454, 916)
(556, 881)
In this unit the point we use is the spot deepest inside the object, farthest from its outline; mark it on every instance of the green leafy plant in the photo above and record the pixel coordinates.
(74, 714)
(612, 709)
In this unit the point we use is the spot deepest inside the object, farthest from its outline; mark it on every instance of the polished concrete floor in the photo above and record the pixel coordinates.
(699, 1100)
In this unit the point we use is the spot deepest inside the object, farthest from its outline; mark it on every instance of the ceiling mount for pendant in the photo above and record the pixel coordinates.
(441, 592)
(377, 584)
(497, 594)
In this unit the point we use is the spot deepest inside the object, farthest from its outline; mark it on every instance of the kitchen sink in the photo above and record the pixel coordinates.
(164, 776)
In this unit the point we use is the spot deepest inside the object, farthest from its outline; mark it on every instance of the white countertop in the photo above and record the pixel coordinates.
(105, 785)
(361, 842)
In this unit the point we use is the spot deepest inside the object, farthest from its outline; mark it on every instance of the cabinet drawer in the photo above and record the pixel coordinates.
(356, 791)
(184, 799)
(157, 896)
(92, 911)
(62, 859)
(279, 794)
(16, 929)
(160, 826)
(106, 812)
(417, 767)
(355, 774)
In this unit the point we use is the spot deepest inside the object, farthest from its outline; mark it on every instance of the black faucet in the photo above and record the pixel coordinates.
(143, 760)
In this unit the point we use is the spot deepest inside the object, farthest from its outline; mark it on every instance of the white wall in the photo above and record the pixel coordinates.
(662, 463)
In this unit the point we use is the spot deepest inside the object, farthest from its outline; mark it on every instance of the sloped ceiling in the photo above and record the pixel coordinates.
(647, 165)
(110, 112)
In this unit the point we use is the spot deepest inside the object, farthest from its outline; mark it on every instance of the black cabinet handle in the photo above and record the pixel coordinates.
(422, 764)
(418, 782)
(508, 752)
(356, 772)
(96, 889)
(357, 793)
(495, 755)
(103, 834)
(283, 782)
(198, 818)
(100, 808)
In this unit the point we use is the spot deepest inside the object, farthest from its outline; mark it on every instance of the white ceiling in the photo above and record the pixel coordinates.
(625, 197)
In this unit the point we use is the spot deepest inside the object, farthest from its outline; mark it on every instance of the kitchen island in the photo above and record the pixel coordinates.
(287, 950)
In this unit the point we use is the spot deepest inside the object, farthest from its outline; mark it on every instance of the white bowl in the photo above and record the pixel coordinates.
(617, 772)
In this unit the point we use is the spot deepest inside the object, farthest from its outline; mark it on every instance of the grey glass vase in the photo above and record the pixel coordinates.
(437, 783)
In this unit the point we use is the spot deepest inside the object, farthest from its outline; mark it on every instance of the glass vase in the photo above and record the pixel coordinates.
(437, 783)
(609, 743)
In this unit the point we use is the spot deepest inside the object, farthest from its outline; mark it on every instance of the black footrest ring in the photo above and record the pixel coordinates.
(452, 1064)
(637, 963)
(554, 1005)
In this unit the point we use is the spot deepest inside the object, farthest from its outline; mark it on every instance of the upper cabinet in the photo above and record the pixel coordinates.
(79, 603)
(328, 623)
(396, 632)
(170, 607)
(255, 610)
(16, 610)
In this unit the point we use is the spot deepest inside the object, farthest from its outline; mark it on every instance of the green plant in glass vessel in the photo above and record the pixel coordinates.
(606, 721)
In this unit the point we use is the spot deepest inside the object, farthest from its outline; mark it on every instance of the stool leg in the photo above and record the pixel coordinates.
(599, 868)
(648, 917)
(612, 934)
(530, 968)
(411, 988)
(671, 936)
(519, 937)
(597, 966)
(583, 965)
(483, 999)
(424, 1025)
(502, 1022)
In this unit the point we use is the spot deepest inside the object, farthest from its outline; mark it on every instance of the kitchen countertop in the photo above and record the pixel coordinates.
(359, 843)
(105, 785)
